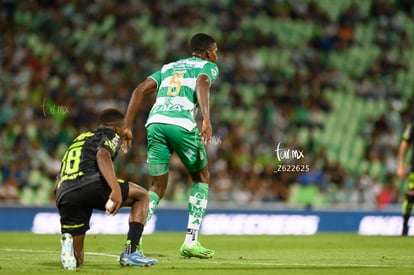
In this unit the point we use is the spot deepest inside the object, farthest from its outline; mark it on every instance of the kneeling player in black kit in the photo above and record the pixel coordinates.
(407, 142)
(87, 181)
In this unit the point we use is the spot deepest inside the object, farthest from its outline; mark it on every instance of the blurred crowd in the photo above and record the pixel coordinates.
(62, 62)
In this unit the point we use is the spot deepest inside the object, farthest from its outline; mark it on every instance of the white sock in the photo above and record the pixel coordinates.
(191, 237)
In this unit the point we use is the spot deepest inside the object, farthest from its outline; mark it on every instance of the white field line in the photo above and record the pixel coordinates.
(229, 262)
(57, 252)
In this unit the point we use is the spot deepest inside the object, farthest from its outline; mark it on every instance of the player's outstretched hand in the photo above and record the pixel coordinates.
(206, 131)
(127, 138)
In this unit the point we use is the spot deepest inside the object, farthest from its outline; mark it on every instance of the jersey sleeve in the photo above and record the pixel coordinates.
(157, 77)
(211, 70)
(110, 142)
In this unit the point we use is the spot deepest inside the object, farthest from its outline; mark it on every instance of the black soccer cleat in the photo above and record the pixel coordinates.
(405, 231)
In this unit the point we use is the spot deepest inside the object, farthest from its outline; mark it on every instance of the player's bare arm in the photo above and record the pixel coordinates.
(106, 167)
(203, 96)
(146, 87)
(401, 155)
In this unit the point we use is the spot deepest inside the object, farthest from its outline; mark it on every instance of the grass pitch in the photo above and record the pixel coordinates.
(26, 253)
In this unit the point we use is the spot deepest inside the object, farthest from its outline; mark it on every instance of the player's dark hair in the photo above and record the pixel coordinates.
(110, 116)
(200, 42)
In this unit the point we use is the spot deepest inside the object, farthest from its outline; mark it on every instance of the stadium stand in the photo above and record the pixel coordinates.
(333, 79)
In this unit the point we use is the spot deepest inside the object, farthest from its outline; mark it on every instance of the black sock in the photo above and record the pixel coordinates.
(134, 235)
(407, 212)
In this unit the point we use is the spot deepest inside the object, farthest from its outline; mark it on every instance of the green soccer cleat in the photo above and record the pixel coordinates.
(197, 251)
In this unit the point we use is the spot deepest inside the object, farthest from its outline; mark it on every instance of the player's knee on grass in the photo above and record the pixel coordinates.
(78, 249)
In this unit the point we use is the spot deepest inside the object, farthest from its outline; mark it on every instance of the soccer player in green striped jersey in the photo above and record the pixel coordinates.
(182, 88)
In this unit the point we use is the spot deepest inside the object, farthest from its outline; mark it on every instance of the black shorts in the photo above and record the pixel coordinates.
(75, 207)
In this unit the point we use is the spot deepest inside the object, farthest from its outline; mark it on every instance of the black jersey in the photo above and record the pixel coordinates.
(79, 161)
(408, 135)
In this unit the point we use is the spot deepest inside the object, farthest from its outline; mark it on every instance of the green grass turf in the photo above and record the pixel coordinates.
(26, 253)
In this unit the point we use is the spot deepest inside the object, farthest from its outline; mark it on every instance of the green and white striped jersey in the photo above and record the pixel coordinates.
(176, 101)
